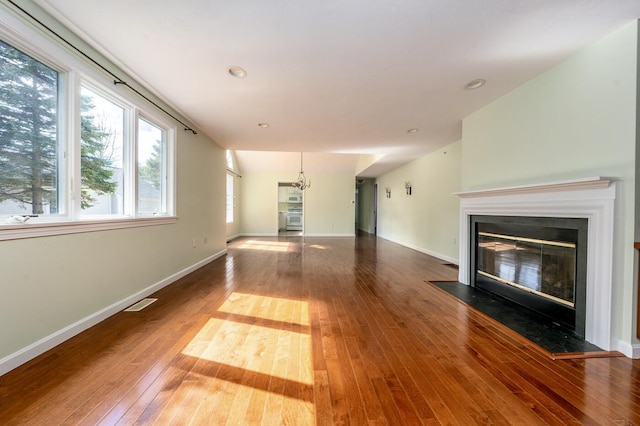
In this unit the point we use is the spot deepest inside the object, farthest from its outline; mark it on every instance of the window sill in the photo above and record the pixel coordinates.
(45, 229)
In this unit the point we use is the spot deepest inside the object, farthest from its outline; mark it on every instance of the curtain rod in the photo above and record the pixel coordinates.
(233, 172)
(117, 80)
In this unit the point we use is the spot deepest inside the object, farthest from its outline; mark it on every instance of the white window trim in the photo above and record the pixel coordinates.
(43, 229)
(233, 197)
(171, 158)
(76, 72)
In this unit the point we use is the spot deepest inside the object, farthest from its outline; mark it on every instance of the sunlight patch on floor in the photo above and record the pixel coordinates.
(271, 352)
(271, 308)
(256, 370)
(268, 245)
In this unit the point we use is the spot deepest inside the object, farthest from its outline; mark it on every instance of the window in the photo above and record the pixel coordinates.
(101, 155)
(29, 153)
(230, 198)
(229, 159)
(152, 168)
(230, 193)
(77, 153)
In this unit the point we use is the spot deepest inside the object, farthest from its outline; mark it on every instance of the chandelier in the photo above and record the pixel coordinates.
(302, 183)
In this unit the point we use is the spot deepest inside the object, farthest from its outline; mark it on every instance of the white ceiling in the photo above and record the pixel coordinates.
(337, 76)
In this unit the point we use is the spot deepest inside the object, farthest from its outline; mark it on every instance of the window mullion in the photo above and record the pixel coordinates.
(171, 175)
(73, 150)
(130, 163)
(64, 144)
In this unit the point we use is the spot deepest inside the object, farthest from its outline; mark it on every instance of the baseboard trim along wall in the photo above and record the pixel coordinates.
(629, 350)
(304, 235)
(330, 235)
(28, 353)
(425, 251)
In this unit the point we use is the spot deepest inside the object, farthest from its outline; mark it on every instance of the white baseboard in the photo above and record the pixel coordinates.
(233, 237)
(330, 235)
(629, 350)
(423, 250)
(257, 235)
(20, 357)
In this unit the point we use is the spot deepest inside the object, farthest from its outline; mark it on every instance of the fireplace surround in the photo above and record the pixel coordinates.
(537, 262)
(591, 199)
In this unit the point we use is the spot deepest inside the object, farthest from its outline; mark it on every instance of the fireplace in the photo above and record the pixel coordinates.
(537, 262)
(592, 201)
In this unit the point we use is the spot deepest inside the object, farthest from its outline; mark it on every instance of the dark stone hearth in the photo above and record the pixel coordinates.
(550, 336)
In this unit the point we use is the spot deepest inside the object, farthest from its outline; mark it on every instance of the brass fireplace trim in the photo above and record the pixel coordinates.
(528, 240)
(530, 290)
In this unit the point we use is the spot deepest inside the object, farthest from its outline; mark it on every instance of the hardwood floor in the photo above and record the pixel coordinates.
(313, 331)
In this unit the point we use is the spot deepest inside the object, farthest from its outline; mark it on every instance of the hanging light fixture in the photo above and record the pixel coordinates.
(302, 183)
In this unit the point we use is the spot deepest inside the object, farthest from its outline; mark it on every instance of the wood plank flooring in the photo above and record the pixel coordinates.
(313, 331)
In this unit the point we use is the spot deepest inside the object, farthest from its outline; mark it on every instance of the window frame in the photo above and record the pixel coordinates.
(127, 135)
(230, 198)
(74, 73)
(170, 162)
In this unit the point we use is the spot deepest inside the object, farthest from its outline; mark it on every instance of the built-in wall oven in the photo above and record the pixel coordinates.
(294, 219)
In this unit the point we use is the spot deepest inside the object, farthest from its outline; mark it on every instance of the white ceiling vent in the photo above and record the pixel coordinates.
(140, 305)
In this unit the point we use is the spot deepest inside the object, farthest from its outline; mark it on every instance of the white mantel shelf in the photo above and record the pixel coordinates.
(575, 184)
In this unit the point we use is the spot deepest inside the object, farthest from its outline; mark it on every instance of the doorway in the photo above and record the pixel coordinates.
(366, 205)
(375, 209)
(290, 210)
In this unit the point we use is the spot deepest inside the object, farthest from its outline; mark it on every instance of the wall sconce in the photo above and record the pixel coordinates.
(387, 192)
(407, 187)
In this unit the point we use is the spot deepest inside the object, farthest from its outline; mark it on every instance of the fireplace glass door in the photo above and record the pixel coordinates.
(546, 268)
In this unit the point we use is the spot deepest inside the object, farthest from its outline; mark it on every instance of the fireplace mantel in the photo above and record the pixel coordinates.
(586, 183)
(591, 198)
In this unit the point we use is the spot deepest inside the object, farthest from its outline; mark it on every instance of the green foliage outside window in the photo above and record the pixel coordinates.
(30, 156)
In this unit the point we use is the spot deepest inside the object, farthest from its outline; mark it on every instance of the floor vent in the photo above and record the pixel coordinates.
(140, 305)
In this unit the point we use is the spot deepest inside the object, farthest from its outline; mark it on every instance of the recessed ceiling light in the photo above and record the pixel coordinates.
(263, 125)
(237, 72)
(414, 130)
(475, 84)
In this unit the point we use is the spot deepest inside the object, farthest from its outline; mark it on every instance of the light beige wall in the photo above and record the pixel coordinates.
(259, 198)
(428, 219)
(328, 204)
(51, 283)
(577, 120)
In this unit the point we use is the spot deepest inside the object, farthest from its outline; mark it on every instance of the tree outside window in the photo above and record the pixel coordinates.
(30, 155)
(101, 124)
(152, 168)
